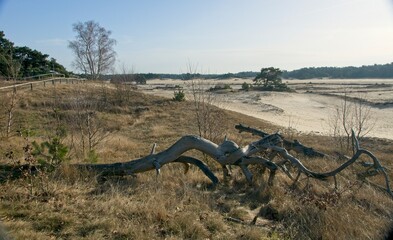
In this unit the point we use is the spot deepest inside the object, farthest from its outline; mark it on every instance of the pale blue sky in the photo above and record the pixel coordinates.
(218, 36)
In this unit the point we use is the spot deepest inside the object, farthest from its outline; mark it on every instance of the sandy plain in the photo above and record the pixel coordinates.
(308, 109)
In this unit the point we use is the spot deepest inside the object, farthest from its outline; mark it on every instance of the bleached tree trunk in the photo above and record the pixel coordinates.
(295, 145)
(229, 153)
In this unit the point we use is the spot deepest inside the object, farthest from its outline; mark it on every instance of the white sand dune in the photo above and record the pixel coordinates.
(304, 111)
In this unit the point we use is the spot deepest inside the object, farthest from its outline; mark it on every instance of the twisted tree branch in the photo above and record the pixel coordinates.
(289, 145)
(229, 153)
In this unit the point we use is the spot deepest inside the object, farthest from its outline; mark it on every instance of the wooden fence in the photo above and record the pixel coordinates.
(50, 81)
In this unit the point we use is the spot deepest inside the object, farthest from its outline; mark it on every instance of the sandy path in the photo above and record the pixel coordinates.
(304, 112)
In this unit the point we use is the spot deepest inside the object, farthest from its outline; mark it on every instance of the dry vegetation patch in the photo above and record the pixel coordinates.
(72, 204)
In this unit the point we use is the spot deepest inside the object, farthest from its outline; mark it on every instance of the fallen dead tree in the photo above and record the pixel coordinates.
(229, 153)
(289, 145)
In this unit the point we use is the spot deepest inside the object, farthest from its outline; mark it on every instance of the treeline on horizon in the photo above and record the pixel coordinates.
(369, 71)
(19, 62)
(366, 71)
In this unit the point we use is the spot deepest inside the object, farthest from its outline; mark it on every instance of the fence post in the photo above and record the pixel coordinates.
(31, 86)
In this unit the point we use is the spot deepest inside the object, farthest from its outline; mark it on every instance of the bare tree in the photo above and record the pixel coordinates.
(124, 84)
(352, 114)
(93, 49)
(8, 104)
(84, 118)
(209, 118)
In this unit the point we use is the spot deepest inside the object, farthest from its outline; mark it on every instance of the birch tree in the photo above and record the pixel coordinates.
(93, 49)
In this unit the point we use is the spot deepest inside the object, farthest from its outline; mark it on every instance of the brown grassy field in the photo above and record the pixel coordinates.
(71, 204)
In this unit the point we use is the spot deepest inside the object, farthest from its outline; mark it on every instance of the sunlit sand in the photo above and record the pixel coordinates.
(307, 110)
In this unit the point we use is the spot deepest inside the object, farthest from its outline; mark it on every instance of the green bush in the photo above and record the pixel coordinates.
(246, 86)
(179, 96)
(53, 152)
(50, 153)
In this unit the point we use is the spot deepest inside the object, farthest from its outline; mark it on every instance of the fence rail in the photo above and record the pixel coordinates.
(52, 81)
(42, 76)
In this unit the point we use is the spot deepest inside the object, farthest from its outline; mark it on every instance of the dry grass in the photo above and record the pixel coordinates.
(70, 204)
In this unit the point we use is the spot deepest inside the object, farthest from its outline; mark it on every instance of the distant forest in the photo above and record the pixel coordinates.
(188, 76)
(19, 62)
(370, 71)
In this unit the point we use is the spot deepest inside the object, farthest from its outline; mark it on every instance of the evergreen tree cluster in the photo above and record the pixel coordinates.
(269, 79)
(370, 71)
(19, 62)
